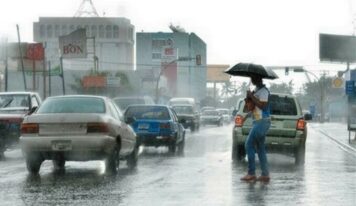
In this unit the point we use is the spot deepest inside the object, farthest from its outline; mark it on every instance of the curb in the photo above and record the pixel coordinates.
(343, 146)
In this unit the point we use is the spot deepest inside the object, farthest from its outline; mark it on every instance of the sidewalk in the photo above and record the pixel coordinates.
(336, 131)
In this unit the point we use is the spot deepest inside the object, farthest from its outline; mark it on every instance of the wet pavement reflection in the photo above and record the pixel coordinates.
(204, 175)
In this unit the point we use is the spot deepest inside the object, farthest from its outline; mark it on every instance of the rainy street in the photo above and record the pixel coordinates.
(205, 175)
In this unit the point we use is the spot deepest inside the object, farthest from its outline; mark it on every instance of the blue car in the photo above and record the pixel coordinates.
(156, 125)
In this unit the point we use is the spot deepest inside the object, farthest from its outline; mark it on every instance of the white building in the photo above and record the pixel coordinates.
(114, 41)
(181, 57)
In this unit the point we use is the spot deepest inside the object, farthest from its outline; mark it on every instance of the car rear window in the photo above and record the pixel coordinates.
(211, 112)
(183, 109)
(73, 105)
(123, 103)
(147, 112)
(282, 105)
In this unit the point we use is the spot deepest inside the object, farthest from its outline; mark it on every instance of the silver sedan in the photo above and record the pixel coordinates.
(77, 128)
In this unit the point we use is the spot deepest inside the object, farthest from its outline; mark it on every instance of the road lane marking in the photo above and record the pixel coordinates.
(343, 146)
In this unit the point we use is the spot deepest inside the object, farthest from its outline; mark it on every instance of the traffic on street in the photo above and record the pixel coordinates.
(204, 175)
(183, 103)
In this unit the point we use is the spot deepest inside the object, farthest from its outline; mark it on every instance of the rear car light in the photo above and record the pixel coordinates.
(238, 121)
(301, 124)
(29, 128)
(165, 126)
(97, 128)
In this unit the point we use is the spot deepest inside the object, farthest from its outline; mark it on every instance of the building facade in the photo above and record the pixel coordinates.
(114, 41)
(176, 60)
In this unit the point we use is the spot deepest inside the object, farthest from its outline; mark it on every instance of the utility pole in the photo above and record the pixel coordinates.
(21, 57)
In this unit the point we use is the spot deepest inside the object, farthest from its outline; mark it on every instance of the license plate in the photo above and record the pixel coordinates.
(143, 126)
(62, 145)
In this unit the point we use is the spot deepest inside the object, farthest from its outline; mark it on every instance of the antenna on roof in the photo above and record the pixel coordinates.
(86, 9)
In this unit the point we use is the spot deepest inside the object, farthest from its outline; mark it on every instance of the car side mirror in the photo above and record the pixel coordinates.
(130, 120)
(308, 116)
(32, 110)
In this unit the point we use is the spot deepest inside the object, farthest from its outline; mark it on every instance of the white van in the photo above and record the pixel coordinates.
(181, 100)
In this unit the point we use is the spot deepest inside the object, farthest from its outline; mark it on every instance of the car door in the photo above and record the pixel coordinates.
(127, 132)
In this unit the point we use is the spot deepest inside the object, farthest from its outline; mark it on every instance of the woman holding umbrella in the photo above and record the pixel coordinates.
(257, 135)
(260, 113)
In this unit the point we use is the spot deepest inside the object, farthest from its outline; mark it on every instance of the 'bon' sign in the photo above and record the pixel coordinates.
(73, 45)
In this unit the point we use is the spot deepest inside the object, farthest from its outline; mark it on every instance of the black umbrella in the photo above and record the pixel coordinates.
(246, 70)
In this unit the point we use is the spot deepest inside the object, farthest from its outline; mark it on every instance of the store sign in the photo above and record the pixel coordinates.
(74, 45)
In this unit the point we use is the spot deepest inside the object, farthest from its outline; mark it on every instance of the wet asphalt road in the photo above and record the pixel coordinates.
(205, 175)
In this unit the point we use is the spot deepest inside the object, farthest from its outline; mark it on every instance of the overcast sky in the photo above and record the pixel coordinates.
(270, 32)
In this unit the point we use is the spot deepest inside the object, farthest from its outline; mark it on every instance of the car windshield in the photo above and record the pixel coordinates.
(72, 105)
(147, 112)
(14, 101)
(210, 113)
(183, 109)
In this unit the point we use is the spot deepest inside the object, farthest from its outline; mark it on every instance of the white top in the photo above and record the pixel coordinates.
(261, 94)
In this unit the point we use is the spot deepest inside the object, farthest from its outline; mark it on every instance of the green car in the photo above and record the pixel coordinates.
(288, 131)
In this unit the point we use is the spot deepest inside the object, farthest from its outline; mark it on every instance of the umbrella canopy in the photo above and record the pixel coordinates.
(246, 70)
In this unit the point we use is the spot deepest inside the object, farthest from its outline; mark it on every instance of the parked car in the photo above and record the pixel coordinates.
(124, 102)
(211, 117)
(77, 128)
(14, 106)
(156, 125)
(226, 115)
(189, 115)
(288, 131)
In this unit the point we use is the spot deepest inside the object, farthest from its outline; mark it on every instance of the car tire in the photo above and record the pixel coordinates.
(192, 128)
(172, 148)
(238, 152)
(181, 146)
(133, 158)
(33, 162)
(58, 164)
(299, 154)
(2, 149)
(112, 162)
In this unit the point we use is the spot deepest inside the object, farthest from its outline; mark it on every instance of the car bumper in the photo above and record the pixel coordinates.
(277, 143)
(156, 139)
(74, 148)
(210, 121)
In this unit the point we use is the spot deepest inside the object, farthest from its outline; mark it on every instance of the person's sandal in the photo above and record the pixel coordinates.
(263, 178)
(248, 178)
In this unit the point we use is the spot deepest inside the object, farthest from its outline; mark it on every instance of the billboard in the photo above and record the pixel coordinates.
(74, 45)
(337, 48)
(215, 73)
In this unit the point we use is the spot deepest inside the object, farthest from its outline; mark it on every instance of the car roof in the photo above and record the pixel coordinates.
(19, 92)
(132, 97)
(148, 105)
(182, 105)
(79, 95)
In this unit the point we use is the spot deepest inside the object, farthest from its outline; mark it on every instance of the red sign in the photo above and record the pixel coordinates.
(94, 81)
(35, 51)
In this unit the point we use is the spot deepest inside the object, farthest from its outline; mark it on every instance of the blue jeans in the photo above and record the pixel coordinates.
(256, 140)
